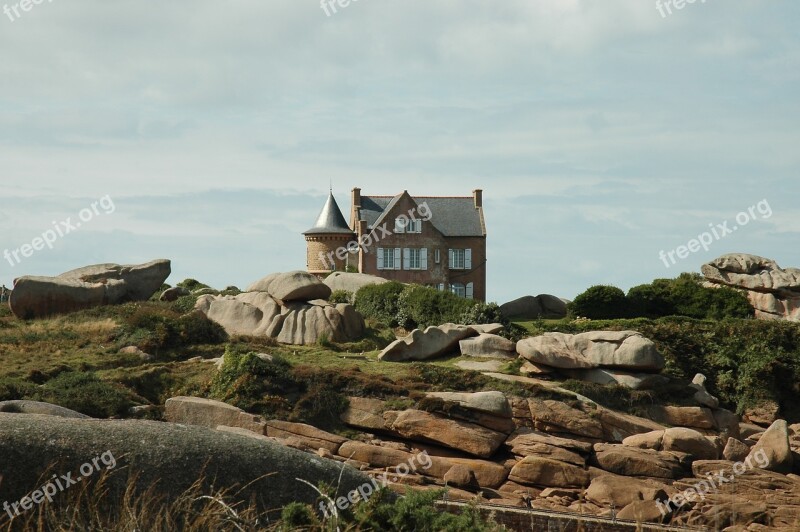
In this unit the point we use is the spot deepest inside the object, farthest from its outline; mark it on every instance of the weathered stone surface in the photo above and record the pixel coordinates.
(292, 286)
(691, 442)
(310, 436)
(635, 462)
(775, 444)
(430, 343)
(544, 450)
(259, 314)
(595, 349)
(374, 455)
(456, 434)
(529, 368)
(773, 291)
(488, 474)
(364, 413)
(351, 282)
(735, 451)
(524, 440)
(618, 426)
(488, 345)
(556, 417)
(172, 294)
(169, 456)
(532, 307)
(647, 440)
(210, 413)
(37, 407)
(87, 287)
(642, 512)
(727, 422)
(634, 381)
(683, 416)
(701, 395)
(545, 472)
(494, 403)
(764, 414)
(607, 490)
(461, 477)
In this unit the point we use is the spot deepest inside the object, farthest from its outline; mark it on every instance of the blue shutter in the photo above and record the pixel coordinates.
(470, 290)
(423, 259)
(397, 258)
(468, 259)
(406, 258)
(451, 259)
(380, 258)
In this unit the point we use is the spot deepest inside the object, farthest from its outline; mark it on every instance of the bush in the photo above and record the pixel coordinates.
(153, 328)
(380, 302)
(12, 389)
(600, 302)
(420, 307)
(192, 284)
(341, 296)
(686, 296)
(85, 393)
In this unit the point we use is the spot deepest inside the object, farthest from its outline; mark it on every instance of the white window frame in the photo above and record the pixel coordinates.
(438, 256)
(415, 258)
(399, 225)
(388, 258)
(458, 289)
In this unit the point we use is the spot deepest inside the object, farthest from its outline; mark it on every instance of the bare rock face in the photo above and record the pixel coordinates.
(489, 346)
(430, 343)
(87, 287)
(37, 407)
(595, 349)
(679, 439)
(351, 282)
(260, 313)
(635, 462)
(292, 286)
(550, 473)
(774, 444)
(608, 490)
(773, 291)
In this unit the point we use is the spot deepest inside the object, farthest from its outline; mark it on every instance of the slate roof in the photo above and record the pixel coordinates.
(330, 220)
(452, 216)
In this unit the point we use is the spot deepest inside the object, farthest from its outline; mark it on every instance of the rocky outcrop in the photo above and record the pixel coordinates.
(169, 457)
(488, 346)
(261, 313)
(209, 413)
(430, 343)
(596, 349)
(533, 307)
(172, 294)
(678, 439)
(37, 407)
(773, 291)
(351, 282)
(774, 444)
(635, 462)
(87, 287)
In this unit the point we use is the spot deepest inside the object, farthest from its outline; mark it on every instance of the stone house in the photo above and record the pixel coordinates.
(429, 240)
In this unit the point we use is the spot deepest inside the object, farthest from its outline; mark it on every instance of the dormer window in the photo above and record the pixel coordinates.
(404, 224)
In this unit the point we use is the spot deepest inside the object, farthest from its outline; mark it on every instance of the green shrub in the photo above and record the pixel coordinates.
(421, 306)
(192, 284)
(341, 296)
(600, 302)
(12, 389)
(85, 393)
(153, 328)
(379, 302)
(686, 296)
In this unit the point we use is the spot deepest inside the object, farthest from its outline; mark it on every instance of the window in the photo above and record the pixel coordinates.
(460, 259)
(400, 224)
(458, 289)
(438, 256)
(415, 258)
(414, 226)
(388, 258)
(403, 224)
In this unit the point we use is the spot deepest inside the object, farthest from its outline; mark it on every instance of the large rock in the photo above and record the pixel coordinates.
(489, 346)
(774, 443)
(595, 349)
(430, 343)
(37, 407)
(209, 413)
(308, 436)
(292, 286)
(773, 291)
(609, 490)
(257, 313)
(494, 403)
(683, 416)
(533, 307)
(351, 282)
(364, 413)
(87, 287)
(635, 462)
(550, 473)
(679, 439)
(168, 456)
(455, 434)
(172, 294)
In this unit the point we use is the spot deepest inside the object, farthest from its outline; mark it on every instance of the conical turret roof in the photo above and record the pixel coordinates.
(330, 220)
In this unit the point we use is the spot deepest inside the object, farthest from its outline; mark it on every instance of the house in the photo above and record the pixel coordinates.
(429, 240)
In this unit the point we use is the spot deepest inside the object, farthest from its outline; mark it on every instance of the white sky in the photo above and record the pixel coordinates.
(600, 131)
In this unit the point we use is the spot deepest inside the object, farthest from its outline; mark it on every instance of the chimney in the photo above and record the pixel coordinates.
(477, 194)
(356, 197)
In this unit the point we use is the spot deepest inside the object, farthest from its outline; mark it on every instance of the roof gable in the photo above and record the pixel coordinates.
(451, 216)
